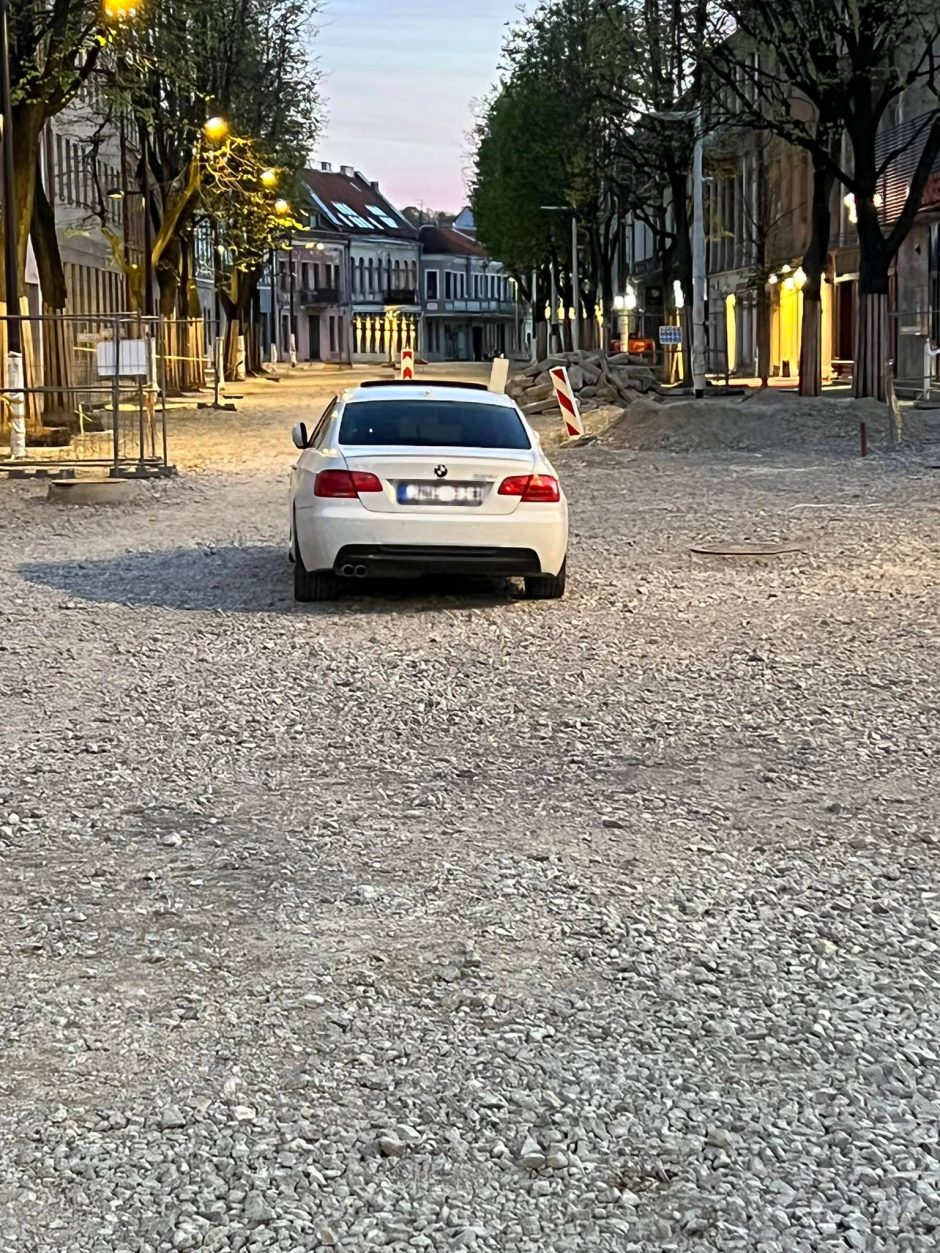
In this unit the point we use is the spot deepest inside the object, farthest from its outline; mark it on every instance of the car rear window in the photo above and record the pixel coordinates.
(432, 424)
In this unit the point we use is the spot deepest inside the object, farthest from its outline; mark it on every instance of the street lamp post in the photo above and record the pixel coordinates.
(698, 241)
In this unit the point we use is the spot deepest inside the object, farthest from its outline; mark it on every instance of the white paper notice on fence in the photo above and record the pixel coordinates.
(133, 359)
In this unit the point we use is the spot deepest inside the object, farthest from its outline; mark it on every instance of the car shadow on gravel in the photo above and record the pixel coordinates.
(245, 579)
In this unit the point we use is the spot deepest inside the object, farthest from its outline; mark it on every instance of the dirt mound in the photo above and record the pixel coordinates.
(597, 422)
(755, 422)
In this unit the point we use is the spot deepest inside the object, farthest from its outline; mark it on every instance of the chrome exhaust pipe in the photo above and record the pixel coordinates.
(360, 571)
(347, 570)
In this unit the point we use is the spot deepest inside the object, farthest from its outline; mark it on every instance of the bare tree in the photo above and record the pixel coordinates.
(851, 62)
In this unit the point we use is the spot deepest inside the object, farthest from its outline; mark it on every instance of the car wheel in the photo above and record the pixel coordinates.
(310, 585)
(547, 586)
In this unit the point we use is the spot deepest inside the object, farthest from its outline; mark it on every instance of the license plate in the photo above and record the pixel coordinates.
(441, 493)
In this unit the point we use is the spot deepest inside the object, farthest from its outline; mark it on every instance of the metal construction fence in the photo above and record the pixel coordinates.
(915, 344)
(90, 390)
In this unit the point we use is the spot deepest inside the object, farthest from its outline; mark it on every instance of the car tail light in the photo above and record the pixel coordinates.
(532, 488)
(345, 484)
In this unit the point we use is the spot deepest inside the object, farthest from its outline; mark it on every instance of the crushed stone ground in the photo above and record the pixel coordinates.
(436, 918)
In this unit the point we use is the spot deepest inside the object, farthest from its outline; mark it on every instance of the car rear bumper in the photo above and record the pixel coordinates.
(532, 540)
(389, 561)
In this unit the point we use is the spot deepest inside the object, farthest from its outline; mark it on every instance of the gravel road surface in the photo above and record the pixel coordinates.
(436, 918)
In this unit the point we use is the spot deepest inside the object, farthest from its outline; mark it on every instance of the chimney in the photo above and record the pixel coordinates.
(347, 170)
(375, 184)
(326, 167)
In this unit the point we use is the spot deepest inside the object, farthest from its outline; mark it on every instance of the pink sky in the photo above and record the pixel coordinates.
(399, 82)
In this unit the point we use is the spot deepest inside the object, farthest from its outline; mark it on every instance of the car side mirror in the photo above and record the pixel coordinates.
(299, 435)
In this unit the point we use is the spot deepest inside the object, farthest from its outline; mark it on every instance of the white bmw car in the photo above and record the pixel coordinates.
(405, 479)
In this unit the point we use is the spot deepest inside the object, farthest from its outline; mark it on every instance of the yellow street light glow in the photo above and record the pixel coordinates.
(281, 207)
(268, 178)
(215, 128)
(115, 10)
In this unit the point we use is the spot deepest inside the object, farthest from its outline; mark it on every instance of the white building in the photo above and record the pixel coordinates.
(382, 261)
(471, 312)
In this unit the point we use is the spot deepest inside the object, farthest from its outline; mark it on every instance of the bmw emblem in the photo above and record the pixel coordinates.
(441, 471)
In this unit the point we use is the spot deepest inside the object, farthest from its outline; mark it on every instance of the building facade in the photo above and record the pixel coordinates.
(349, 286)
(471, 312)
(377, 293)
(758, 198)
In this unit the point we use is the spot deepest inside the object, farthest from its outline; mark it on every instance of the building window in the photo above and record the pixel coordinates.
(430, 283)
(371, 268)
(332, 334)
(463, 286)
(448, 285)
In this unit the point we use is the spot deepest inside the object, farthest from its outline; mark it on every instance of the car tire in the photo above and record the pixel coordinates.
(547, 586)
(311, 585)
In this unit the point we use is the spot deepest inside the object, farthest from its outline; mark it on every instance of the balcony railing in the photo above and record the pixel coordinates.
(400, 296)
(450, 304)
(319, 296)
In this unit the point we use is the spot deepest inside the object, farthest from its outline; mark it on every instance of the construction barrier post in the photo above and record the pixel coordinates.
(499, 374)
(407, 363)
(571, 415)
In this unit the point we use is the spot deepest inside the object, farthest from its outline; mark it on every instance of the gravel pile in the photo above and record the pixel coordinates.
(442, 919)
(596, 379)
(760, 420)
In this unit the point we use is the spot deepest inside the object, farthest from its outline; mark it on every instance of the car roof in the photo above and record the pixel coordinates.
(417, 391)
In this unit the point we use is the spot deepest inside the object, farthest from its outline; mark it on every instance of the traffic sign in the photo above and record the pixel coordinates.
(670, 335)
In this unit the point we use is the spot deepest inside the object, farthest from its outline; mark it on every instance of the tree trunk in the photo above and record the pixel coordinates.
(27, 131)
(871, 344)
(814, 265)
(57, 347)
(811, 343)
(871, 318)
(762, 332)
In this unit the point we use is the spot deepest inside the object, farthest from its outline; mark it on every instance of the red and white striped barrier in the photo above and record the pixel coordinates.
(407, 363)
(570, 413)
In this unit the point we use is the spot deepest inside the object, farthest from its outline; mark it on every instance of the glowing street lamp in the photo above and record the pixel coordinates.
(268, 178)
(281, 207)
(119, 10)
(215, 129)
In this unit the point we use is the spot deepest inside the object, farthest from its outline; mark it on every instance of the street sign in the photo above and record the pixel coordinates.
(670, 335)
